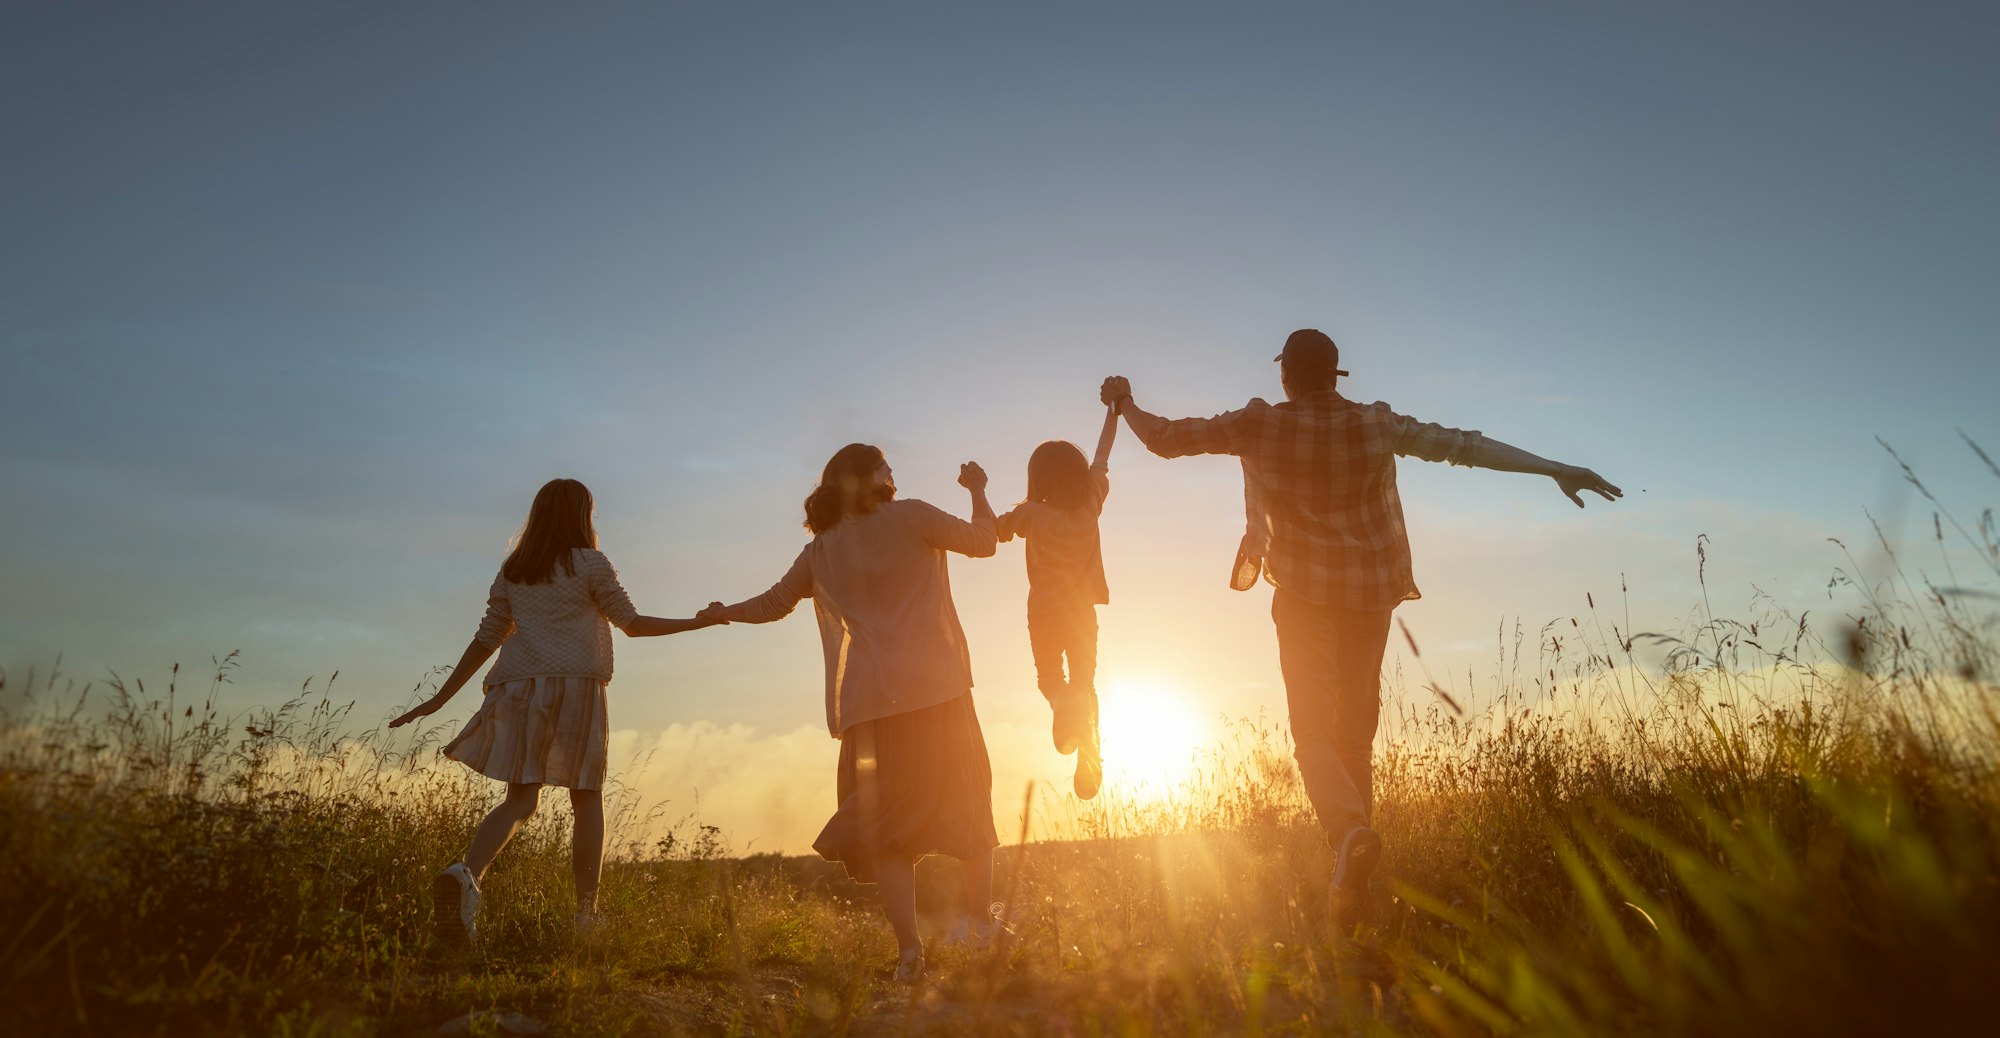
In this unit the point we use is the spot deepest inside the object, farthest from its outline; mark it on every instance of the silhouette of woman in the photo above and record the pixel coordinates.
(914, 777)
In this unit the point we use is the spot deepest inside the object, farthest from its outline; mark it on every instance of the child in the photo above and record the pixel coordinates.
(1065, 587)
(544, 719)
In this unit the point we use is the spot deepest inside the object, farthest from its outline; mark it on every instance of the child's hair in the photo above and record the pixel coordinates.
(1058, 476)
(846, 487)
(558, 522)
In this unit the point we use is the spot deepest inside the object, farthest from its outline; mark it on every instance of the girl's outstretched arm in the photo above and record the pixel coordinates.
(653, 626)
(1103, 456)
(468, 665)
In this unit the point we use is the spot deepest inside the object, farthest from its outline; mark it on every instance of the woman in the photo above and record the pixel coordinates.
(914, 776)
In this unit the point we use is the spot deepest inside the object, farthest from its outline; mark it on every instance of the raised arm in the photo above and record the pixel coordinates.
(775, 604)
(973, 478)
(1102, 459)
(1172, 438)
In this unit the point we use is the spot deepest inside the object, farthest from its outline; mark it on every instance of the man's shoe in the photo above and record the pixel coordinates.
(1360, 851)
(455, 905)
(910, 966)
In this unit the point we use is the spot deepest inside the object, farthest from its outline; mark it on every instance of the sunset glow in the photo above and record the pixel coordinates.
(1150, 735)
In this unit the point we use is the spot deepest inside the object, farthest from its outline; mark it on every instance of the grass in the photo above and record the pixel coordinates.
(1763, 834)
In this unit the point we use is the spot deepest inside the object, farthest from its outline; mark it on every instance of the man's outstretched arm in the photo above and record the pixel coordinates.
(1168, 437)
(1571, 479)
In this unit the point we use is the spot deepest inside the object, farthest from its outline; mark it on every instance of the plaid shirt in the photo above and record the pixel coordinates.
(1323, 470)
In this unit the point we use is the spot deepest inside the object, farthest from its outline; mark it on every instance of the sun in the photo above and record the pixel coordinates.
(1149, 733)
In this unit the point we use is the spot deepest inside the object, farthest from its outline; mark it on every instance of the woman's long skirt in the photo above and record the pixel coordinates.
(912, 784)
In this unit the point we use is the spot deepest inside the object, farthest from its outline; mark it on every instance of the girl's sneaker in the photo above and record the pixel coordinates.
(910, 966)
(589, 924)
(455, 905)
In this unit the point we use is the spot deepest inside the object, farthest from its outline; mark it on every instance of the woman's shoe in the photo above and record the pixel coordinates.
(978, 936)
(910, 966)
(455, 905)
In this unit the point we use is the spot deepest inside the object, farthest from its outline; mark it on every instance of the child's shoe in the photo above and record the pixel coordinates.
(455, 905)
(1068, 727)
(1090, 752)
(1089, 769)
(910, 966)
(589, 924)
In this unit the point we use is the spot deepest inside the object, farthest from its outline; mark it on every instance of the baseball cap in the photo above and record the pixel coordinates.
(1311, 348)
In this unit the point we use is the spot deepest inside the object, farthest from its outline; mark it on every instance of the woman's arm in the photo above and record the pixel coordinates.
(946, 532)
(468, 664)
(973, 478)
(654, 626)
(775, 604)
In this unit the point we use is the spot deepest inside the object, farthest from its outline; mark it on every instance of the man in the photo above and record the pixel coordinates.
(1321, 469)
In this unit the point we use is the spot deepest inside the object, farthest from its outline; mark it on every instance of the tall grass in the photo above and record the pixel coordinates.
(1737, 828)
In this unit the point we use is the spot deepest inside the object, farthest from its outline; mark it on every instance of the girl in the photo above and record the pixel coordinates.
(544, 719)
(914, 778)
(1065, 587)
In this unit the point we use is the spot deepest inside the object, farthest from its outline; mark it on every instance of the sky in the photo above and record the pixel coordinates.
(300, 303)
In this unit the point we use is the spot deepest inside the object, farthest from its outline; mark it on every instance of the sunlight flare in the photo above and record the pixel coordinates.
(1150, 734)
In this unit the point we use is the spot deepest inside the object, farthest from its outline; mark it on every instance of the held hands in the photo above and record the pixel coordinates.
(1573, 479)
(972, 477)
(1114, 390)
(712, 613)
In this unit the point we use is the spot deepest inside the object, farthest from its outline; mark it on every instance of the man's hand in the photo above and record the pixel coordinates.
(1114, 389)
(423, 709)
(712, 612)
(1575, 478)
(971, 476)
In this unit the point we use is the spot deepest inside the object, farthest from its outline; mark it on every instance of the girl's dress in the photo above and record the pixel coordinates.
(545, 720)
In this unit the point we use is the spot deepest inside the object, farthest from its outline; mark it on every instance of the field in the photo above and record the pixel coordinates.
(1766, 834)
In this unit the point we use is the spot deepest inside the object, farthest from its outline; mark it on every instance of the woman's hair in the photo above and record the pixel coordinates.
(558, 522)
(846, 487)
(1058, 476)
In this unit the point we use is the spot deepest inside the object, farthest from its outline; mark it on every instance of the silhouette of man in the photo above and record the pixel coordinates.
(1321, 470)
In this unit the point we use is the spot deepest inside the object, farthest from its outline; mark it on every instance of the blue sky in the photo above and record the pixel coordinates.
(300, 303)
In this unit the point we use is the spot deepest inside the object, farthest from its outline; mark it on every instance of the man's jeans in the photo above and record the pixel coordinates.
(1332, 662)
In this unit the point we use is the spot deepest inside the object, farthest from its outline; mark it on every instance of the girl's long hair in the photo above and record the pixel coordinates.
(846, 487)
(558, 522)
(1058, 476)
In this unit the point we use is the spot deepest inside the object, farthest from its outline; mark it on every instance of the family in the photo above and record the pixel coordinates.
(1325, 530)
